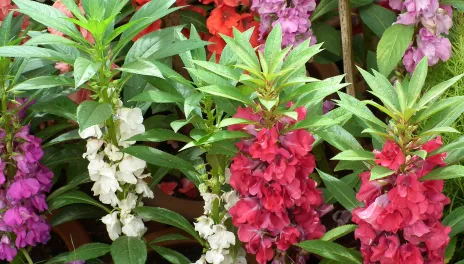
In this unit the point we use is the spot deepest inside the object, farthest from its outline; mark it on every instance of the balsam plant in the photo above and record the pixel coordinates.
(400, 202)
(117, 176)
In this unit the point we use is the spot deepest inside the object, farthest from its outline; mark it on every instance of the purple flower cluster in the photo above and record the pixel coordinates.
(433, 21)
(23, 184)
(293, 18)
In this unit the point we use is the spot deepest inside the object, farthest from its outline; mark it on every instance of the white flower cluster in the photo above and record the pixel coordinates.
(217, 235)
(118, 176)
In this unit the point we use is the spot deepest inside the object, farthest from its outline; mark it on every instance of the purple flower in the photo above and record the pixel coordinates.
(7, 251)
(2, 172)
(16, 216)
(23, 189)
(76, 262)
(433, 47)
(268, 6)
(327, 106)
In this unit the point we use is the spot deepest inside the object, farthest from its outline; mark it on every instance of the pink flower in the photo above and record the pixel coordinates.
(265, 252)
(365, 233)
(16, 216)
(390, 156)
(289, 236)
(23, 189)
(7, 251)
(410, 253)
(63, 67)
(371, 213)
(298, 142)
(247, 210)
(387, 250)
(369, 189)
(272, 197)
(265, 147)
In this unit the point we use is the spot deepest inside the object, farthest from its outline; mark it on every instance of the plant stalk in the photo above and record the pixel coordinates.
(347, 45)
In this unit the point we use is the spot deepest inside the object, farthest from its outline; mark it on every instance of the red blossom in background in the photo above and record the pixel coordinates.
(279, 203)
(400, 219)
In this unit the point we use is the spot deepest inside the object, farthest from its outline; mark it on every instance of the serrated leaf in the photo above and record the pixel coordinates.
(155, 96)
(343, 193)
(379, 172)
(129, 250)
(444, 173)
(377, 18)
(355, 155)
(34, 52)
(338, 232)
(436, 91)
(91, 113)
(160, 135)
(44, 82)
(142, 67)
(84, 70)
(392, 46)
(165, 216)
(438, 130)
(332, 251)
(89, 251)
(417, 82)
(227, 92)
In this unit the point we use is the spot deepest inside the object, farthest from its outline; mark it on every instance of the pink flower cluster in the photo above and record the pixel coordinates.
(22, 194)
(279, 203)
(433, 21)
(293, 18)
(400, 220)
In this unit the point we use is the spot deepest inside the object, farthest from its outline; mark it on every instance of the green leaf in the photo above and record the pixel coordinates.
(445, 173)
(157, 97)
(50, 39)
(89, 251)
(358, 3)
(436, 91)
(142, 67)
(34, 52)
(273, 45)
(163, 159)
(190, 17)
(244, 52)
(84, 70)
(355, 155)
(160, 135)
(74, 212)
(322, 8)
(455, 145)
(44, 82)
(221, 70)
(170, 255)
(129, 250)
(165, 216)
(73, 197)
(381, 88)
(177, 48)
(459, 4)
(437, 107)
(344, 194)
(48, 16)
(5, 30)
(227, 92)
(329, 36)
(338, 232)
(50, 131)
(351, 180)
(170, 237)
(332, 251)
(76, 181)
(377, 18)
(417, 82)
(235, 121)
(379, 172)
(356, 107)
(191, 103)
(315, 122)
(455, 220)
(71, 135)
(438, 130)
(392, 46)
(445, 117)
(449, 251)
(91, 113)
(421, 153)
(338, 137)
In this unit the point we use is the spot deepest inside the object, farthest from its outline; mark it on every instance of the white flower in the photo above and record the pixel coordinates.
(109, 198)
(221, 238)
(93, 131)
(230, 199)
(204, 226)
(133, 226)
(94, 167)
(131, 124)
(227, 175)
(113, 152)
(126, 205)
(214, 256)
(113, 225)
(202, 260)
(209, 199)
(240, 258)
(142, 188)
(93, 146)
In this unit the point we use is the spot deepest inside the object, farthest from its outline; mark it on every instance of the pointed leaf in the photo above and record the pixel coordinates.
(355, 155)
(392, 46)
(455, 220)
(91, 113)
(444, 173)
(142, 67)
(44, 82)
(84, 70)
(227, 92)
(89, 251)
(338, 232)
(417, 82)
(379, 172)
(160, 135)
(343, 193)
(73, 197)
(34, 52)
(157, 97)
(332, 251)
(170, 255)
(129, 250)
(436, 91)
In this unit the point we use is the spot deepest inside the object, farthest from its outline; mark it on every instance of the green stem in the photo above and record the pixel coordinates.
(26, 255)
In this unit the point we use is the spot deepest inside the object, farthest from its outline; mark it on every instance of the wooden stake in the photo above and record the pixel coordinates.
(347, 44)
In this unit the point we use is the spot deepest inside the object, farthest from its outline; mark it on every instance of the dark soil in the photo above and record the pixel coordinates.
(54, 247)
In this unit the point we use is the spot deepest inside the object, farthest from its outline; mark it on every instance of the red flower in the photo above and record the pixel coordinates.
(369, 189)
(265, 252)
(410, 253)
(288, 237)
(246, 210)
(298, 142)
(272, 197)
(391, 156)
(265, 147)
(188, 188)
(222, 19)
(387, 251)
(168, 187)
(218, 45)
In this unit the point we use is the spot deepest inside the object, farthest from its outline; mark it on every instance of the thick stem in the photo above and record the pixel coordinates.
(346, 28)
